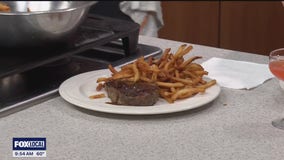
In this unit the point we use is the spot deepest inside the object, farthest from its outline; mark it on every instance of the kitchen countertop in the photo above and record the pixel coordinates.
(235, 126)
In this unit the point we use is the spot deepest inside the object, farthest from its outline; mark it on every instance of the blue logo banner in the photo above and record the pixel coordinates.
(37, 143)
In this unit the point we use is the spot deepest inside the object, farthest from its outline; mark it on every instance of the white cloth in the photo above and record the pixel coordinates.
(237, 74)
(137, 10)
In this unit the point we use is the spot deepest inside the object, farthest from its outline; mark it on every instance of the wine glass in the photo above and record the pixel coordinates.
(276, 66)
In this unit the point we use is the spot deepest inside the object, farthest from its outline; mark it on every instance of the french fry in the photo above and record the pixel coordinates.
(136, 72)
(189, 61)
(179, 51)
(100, 87)
(112, 69)
(208, 84)
(186, 50)
(184, 81)
(186, 91)
(102, 79)
(169, 85)
(101, 95)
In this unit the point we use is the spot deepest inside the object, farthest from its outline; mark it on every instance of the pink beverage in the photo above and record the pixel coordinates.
(277, 68)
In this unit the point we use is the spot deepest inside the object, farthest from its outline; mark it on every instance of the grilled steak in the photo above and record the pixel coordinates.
(132, 93)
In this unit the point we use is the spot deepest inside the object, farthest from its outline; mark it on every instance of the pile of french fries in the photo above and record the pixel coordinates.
(176, 77)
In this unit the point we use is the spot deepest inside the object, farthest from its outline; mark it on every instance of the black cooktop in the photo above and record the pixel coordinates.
(28, 75)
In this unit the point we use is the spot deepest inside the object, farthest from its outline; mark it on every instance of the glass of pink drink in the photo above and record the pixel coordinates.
(276, 66)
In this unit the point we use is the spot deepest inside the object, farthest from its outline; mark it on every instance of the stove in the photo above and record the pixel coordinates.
(31, 75)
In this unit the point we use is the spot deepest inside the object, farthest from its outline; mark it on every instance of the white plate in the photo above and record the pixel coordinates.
(77, 89)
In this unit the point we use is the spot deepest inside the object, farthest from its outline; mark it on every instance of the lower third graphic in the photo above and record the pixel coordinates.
(29, 147)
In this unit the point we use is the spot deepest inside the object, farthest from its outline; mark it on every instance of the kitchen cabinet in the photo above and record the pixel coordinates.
(256, 26)
(195, 22)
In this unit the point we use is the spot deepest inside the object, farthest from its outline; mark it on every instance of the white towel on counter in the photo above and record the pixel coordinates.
(237, 74)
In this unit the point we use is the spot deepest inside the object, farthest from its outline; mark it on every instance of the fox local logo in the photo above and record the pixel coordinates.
(29, 147)
(29, 143)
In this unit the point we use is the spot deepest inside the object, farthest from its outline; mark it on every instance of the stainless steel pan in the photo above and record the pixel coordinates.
(40, 23)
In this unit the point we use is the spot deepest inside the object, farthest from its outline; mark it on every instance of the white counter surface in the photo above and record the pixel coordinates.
(235, 126)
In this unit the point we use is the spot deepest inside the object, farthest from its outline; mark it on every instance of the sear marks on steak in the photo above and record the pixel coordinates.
(124, 92)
